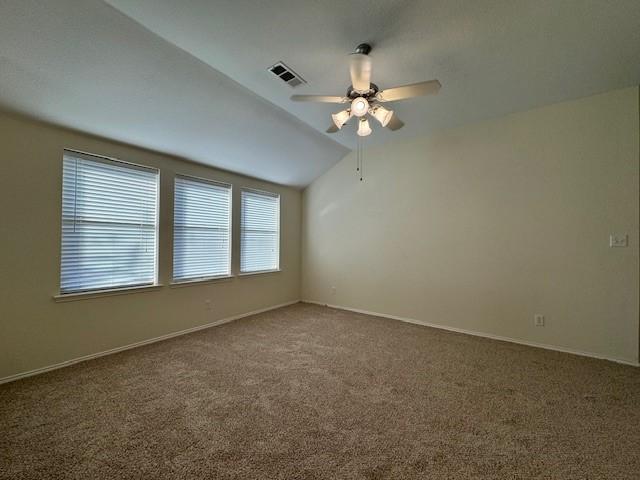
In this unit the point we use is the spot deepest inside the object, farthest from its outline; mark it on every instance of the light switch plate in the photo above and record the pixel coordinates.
(618, 240)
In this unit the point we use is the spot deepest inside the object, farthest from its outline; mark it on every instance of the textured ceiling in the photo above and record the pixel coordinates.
(492, 56)
(85, 65)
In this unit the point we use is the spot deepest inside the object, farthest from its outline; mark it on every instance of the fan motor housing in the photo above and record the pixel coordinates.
(363, 48)
(369, 94)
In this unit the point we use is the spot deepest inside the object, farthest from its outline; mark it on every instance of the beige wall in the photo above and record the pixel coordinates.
(35, 331)
(481, 227)
(477, 228)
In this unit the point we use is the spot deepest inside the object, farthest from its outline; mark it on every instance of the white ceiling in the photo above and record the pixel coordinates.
(492, 56)
(85, 65)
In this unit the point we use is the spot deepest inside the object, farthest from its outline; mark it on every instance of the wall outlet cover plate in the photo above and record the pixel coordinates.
(617, 241)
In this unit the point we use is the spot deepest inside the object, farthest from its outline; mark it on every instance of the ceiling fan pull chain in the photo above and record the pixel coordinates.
(358, 156)
(360, 140)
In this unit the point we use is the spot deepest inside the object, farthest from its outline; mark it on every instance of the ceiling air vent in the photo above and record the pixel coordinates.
(287, 75)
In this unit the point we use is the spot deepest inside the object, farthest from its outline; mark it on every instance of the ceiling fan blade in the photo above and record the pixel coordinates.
(409, 91)
(395, 123)
(360, 69)
(318, 98)
(332, 128)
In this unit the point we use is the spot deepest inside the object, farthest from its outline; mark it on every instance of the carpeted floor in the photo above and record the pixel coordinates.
(308, 392)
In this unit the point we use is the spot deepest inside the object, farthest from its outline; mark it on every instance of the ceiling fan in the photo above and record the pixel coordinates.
(366, 98)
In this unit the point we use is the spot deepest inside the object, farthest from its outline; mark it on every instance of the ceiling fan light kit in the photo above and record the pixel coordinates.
(341, 118)
(360, 106)
(381, 114)
(366, 98)
(363, 127)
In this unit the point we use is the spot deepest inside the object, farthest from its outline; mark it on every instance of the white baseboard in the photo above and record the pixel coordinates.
(91, 356)
(479, 334)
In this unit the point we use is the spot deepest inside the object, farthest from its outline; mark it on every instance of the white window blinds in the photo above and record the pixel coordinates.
(109, 224)
(201, 229)
(259, 231)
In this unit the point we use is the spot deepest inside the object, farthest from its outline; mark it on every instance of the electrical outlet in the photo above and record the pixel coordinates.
(621, 240)
(333, 290)
(208, 305)
(538, 320)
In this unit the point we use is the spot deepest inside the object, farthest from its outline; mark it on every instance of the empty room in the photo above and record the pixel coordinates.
(320, 240)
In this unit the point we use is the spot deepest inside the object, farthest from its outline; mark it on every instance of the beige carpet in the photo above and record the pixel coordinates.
(307, 392)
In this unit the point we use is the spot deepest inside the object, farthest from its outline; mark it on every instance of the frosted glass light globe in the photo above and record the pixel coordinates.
(359, 106)
(382, 115)
(363, 128)
(341, 118)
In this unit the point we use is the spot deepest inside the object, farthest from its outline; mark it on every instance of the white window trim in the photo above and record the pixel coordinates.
(106, 159)
(242, 273)
(191, 281)
(259, 272)
(87, 294)
(98, 292)
(198, 281)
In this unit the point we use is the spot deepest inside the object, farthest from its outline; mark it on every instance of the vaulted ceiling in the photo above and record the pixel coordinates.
(190, 77)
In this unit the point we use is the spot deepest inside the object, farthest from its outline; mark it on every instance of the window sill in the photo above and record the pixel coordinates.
(200, 281)
(71, 297)
(260, 272)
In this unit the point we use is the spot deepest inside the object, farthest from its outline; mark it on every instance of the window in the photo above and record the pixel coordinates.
(259, 232)
(201, 229)
(109, 224)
